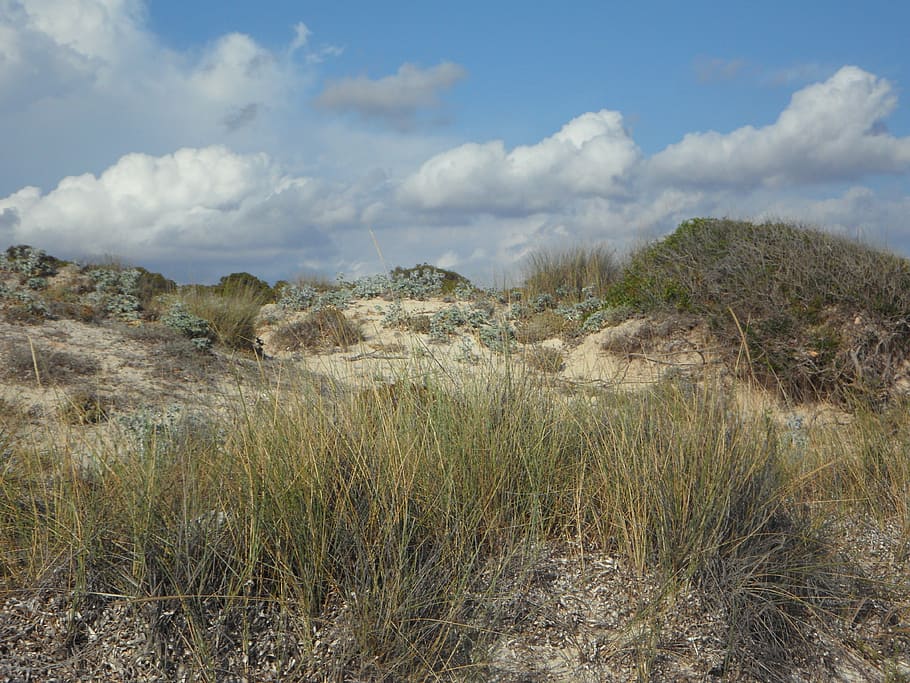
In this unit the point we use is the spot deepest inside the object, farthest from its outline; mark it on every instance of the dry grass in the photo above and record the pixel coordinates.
(325, 328)
(386, 517)
(231, 314)
(545, 359)
(30, 363)
(545, 325)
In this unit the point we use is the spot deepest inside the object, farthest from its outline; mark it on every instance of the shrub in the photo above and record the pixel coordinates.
(31, 263)
(245, 284)
(424, 280)
(116, 292)
(821, 316)
(150, 286)
(197, 329)
(25, 307)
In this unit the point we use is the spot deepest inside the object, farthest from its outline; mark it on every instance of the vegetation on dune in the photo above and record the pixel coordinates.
(229, 309)
(571, 274)
(325, 328)
(820, 316)
(448, 280)
(416, 501)
(387, 532)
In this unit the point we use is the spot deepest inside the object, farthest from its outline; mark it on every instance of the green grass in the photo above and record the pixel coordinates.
(231, 312)
(395, 522)
(567, 273)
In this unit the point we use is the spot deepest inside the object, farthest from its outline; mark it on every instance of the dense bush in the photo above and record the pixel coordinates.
(426, 276)
(30, 262)
(245, 284)
(820, 315)
(150, 286)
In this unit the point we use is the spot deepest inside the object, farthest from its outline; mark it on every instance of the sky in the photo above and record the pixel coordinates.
(287, 138)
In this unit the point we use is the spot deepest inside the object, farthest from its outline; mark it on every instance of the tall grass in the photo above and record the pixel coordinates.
(567, 273)
(232, 312)
(863, 466)
(388, 517)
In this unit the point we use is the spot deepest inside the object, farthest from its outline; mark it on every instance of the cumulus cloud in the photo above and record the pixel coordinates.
(393, 99)
(183, 206)
(92, 68)
(830, 131)
(105, 96)
(590, 156)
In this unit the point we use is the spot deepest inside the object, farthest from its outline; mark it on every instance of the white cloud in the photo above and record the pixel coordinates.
(301, 36)
(92, 69)
(394, 99)
(830, 131)
(99, 93)
(591, 155)
(183, 206)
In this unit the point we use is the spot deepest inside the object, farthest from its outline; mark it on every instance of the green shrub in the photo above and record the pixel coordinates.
(820, 316)
(245, 285)
(149, 287)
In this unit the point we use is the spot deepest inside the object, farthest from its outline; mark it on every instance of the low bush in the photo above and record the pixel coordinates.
(325, 328)
(24, 362)
(193, 327)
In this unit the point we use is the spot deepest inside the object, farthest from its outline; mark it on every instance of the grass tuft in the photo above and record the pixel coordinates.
(567, 274)
(231, 311)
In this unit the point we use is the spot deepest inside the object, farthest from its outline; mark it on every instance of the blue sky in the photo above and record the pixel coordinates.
(203, 138)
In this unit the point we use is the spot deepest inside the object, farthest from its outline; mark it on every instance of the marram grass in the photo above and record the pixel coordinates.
(412, 504)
